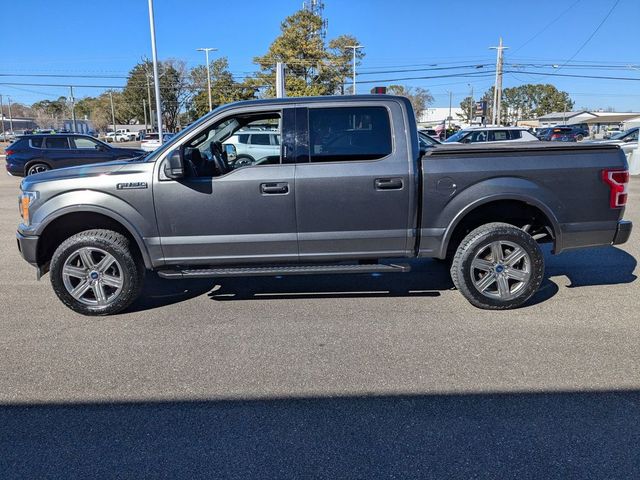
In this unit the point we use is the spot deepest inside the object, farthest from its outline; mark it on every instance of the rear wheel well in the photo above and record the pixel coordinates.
(68, 225)
(514, 212)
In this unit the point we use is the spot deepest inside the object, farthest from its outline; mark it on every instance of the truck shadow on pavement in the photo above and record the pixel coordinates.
(597, 266)
(580, 434)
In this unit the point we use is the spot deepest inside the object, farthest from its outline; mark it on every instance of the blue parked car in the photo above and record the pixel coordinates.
(31, 154)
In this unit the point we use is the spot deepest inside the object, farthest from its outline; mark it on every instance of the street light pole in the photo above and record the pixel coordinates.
(355, 48)
(206, 56)
(154, 55)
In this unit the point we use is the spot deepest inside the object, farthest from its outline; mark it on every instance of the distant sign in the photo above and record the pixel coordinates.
(480, 109)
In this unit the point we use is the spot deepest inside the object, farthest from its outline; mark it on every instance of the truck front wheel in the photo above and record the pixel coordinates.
(95, 273)
(498, 266)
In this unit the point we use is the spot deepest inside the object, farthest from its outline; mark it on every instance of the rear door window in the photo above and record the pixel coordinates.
(57, 143)
(36, 142)
(349, 134)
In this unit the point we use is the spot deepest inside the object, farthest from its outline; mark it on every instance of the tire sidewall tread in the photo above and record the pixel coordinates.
(479, 238)
(118, 246)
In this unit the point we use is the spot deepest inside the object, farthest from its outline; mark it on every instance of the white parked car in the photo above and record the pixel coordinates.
(255, 146)
(151, 141)
(117, 137)
(492, 135)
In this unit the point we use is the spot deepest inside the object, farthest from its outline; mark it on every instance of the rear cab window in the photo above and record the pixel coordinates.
(339, 134)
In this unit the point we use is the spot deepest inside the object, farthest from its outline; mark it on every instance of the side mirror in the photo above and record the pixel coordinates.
(173, 165)
(231, 152)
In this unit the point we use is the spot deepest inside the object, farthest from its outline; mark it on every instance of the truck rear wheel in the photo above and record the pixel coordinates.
(95, 273)
(498, 266)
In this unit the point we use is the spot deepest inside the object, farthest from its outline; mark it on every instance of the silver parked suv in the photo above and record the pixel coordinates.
(254, 146)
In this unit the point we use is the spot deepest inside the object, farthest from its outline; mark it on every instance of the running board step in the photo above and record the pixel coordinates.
(276, 270)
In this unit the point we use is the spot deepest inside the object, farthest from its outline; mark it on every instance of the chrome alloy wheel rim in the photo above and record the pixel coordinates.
(37, 169)
(92, 276)
(501, 270)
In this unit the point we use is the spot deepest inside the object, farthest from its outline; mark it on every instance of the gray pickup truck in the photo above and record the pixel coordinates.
(350, 189)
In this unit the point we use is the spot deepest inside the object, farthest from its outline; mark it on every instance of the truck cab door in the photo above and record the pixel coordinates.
(355, 196)
(245, 214)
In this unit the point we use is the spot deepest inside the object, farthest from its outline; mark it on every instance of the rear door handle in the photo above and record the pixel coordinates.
(274, 188)
(389, 183)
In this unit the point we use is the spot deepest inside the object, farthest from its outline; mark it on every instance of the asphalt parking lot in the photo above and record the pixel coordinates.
(359, 376)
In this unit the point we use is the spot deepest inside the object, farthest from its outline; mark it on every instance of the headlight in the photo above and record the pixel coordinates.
(25, 199)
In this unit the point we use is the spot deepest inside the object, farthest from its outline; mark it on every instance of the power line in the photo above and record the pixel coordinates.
(595, 77)
(546, 26)
(584, 44)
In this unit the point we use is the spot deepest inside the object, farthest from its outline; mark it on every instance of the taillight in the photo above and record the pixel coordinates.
(617, 181)
(554, 136)
(9, 152)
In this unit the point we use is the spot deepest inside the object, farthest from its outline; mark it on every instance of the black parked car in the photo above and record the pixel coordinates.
(31, 154)
(579, 130)
(559, 134)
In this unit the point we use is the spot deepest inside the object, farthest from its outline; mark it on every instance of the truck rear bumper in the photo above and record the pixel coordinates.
(623, 232)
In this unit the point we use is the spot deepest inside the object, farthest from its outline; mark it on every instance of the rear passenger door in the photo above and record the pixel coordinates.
(57, 151)
(353, 184)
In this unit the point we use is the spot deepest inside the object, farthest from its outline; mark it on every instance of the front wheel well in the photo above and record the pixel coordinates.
(69, 224)
(514, 212)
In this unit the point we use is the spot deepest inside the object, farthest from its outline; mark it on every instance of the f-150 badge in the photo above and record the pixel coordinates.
(131, 185)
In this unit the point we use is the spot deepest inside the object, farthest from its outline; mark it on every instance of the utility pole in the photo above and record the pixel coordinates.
(10, 116)
(144, 109)
(355, 48)
(471, 106)
(206, 55)
(449, 117)
(73, 110)
(154, 54)
(2, 116)
(113, 116)
(149, 100)
(497, 92)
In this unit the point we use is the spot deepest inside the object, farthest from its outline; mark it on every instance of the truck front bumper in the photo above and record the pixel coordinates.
(28, 247)
(622, 232)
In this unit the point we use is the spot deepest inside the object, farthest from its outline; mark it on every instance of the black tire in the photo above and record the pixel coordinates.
(475, 244)
(130, 269)
(37, 167)
(243, 161)
(579, 137)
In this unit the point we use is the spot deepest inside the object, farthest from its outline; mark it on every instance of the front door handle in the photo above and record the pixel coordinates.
(389, 183)
(274, 188)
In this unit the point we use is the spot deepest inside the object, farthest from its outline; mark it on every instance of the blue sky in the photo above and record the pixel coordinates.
(66, 37)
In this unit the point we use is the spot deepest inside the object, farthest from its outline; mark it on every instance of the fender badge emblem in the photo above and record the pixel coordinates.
(131, 185)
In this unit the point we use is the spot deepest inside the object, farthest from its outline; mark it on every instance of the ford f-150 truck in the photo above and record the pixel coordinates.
(350, 190)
